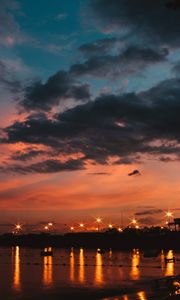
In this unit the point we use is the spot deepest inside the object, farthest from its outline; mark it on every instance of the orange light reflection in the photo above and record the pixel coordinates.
(81, 266)
(135, 273)
(99, 270)
(141, 296)
(48, 269)
(17, 279)
(169, 271)
(72, 265)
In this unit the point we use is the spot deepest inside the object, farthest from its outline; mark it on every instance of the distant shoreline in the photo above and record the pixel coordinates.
(93, 240)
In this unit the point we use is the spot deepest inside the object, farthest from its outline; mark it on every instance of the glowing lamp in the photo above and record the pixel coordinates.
(98, 220)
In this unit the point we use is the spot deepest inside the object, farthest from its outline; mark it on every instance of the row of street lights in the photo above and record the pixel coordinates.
(133, 223)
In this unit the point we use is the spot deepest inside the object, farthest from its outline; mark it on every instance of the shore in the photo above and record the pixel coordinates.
(129, 239)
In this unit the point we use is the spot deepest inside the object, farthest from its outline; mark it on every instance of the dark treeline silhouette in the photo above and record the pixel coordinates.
(148, 238)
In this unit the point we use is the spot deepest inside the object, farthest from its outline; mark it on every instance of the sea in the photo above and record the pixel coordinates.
(83, 274)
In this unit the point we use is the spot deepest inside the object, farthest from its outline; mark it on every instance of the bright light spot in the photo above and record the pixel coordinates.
(134, 221)
(110, 226)
(169, 214)
(50, 224)
(98, 220)
(72, 228)
(137, 227)
(81, 225)
(46, 227)
(120, 229)
(18, 226)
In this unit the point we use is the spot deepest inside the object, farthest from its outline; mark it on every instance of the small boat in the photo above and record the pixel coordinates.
(169, 260)
(169, 283)
(47, 252)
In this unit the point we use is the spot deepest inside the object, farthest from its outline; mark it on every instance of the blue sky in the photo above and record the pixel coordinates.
(54, 31)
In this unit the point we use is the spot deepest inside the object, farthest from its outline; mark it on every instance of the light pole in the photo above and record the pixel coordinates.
(169, 217)
(18, 228)
(98, 220)
(110, 226)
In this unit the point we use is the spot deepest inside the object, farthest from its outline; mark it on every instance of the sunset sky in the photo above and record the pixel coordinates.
(90, 92)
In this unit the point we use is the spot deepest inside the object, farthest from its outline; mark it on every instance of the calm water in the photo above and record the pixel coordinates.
(26, 274)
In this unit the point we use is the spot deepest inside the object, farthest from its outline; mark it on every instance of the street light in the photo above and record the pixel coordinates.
(98, 220)
(50, 224)
(46, 227)
(169, 216)
(110, 226)
(18, 227)
(134, 221)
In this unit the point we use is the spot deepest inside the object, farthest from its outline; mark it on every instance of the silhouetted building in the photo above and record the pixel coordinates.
(176, 224)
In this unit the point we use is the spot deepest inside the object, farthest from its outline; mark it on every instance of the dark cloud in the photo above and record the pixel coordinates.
(149, 212)
(134, 172)
(167, 159)
(60, 86)
(28, 154)
(7, 78)
(150, 20)
(149, 221)
(100, 173)
(112, 64)
(46, 166)
(101, 46)
(128, 160)
(122, 126)
(131, 61)
(176, 69)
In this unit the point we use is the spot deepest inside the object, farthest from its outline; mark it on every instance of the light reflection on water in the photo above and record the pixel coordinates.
(48, 270)
(72, 263)
(141, 296)
(170, 265)
(17, 278)
(135, 271)
(80, 267)
(99, 269)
